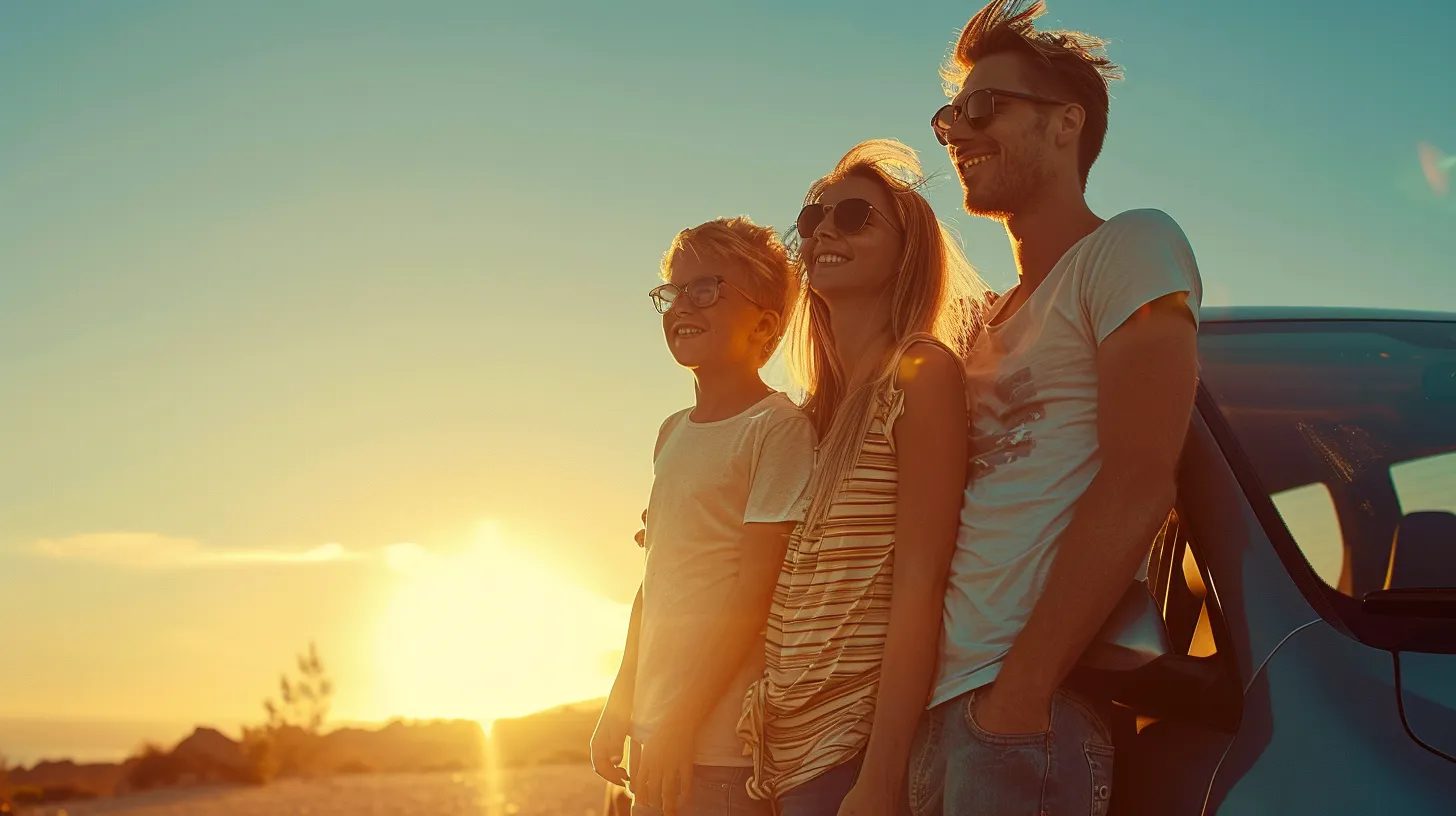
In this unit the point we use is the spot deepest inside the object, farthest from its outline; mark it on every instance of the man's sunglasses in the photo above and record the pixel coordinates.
(849, 215)
(978, 108)
(701, 292)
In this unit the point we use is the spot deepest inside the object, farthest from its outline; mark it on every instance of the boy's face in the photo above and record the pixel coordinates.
(730, 333)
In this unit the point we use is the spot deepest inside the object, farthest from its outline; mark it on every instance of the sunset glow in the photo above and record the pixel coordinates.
(491, 631)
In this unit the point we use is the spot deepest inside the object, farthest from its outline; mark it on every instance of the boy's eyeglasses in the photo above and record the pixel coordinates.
(849, 215)
(978, 109)
(702, 293)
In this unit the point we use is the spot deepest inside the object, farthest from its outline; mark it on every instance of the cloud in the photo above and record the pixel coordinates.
(405, 557)
(156, 551)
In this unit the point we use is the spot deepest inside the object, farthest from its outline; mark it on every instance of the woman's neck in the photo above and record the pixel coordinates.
(862, 335)
(722, 394)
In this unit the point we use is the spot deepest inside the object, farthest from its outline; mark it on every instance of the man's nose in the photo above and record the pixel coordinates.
(961, 134)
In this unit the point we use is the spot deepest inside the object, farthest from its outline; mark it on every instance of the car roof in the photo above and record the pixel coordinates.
(1248, 314)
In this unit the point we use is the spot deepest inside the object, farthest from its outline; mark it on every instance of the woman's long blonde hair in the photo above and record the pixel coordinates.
(935, 292)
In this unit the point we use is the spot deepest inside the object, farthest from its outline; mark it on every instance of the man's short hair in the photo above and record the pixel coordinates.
(1066, 65)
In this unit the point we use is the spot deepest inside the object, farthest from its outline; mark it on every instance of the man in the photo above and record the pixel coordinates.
(1081, 388)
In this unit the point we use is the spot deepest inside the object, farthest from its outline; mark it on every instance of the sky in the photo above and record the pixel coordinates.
(327, 320)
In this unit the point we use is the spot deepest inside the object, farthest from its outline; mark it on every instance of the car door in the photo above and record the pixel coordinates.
(1341, 435)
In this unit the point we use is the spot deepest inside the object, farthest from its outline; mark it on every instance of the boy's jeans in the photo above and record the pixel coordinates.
(716, 791)
(958, 769)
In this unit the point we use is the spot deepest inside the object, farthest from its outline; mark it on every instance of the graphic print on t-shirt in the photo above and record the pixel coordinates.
(1018, 394)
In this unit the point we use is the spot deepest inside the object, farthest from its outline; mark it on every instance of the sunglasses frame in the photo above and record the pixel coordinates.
(962, 110)
(664, 305)
(831, 209)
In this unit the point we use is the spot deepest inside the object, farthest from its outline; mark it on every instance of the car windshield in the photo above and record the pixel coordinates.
(1351, 429)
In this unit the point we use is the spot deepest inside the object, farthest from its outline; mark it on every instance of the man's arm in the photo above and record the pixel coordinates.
(611, 731)
(1147, 372)
(667, 757)
(930, 448)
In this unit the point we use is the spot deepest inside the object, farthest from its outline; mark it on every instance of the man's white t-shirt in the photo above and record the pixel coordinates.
(710, 479)
(1032, 384)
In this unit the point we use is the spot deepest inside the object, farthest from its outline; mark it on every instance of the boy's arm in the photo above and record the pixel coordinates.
(930, 448)
(625, 686)
(611, 731)
(667, 758)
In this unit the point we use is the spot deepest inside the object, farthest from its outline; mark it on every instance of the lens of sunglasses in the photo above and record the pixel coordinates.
(809, 219)
(977, 108)
(850, 215)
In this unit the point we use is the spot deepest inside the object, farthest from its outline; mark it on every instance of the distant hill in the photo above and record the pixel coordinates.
(209, 757)
(403, 747)
(558, 735)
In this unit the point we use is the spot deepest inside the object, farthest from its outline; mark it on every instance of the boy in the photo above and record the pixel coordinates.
(729, 477)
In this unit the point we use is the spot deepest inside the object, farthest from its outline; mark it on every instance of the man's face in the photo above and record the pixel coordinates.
(1006, 165)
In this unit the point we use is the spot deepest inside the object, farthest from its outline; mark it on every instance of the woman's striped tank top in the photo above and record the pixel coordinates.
(813, 708)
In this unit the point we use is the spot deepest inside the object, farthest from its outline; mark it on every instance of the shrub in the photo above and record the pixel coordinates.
(156, 768)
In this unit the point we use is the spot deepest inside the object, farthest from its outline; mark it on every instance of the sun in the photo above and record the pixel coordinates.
(491, 632)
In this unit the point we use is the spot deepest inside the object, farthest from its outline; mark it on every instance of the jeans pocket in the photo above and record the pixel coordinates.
(999, 780)
(1099, 762)
(968, 711)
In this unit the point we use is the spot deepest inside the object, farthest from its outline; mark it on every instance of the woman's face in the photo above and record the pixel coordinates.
(862, 262)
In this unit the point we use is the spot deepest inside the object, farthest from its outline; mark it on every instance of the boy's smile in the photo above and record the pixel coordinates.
(721, 335)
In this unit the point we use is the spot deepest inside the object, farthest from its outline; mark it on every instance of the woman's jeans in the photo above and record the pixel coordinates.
(822, 795)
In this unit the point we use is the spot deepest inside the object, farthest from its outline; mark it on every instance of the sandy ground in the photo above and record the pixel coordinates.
(553, 790)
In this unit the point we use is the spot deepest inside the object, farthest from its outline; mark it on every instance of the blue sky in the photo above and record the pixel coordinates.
(280, 276)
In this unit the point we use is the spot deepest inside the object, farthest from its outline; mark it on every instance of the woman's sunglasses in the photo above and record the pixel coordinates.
(849, 215)
(701, 292)
(978, 109)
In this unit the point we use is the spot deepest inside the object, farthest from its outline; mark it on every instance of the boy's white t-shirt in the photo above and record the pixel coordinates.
(709, 479)
(1032, 385)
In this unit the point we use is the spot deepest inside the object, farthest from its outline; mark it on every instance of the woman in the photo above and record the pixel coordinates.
(855, 623)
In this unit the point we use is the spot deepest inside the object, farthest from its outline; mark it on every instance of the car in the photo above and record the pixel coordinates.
(1306, 578)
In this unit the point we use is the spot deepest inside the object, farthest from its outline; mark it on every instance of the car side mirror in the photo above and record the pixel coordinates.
(1411, 602)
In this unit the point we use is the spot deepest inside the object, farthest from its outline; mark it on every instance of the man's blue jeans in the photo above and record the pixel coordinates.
(959, 769)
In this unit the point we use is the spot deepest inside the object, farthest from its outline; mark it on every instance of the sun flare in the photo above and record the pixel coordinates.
(492, 632)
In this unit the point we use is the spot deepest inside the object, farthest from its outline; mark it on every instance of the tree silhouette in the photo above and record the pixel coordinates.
(303, 702)
(287, 742)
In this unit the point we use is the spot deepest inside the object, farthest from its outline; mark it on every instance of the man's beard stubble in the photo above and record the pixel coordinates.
(1017, 182)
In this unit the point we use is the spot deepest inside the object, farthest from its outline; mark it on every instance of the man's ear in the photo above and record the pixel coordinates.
(1069, 124)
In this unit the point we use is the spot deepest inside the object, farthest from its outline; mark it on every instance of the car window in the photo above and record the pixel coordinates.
(1427, 484)
(1309, 512)
(1350, 427)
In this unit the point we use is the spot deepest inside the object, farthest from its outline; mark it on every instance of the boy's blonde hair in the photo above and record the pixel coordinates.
(773, 282)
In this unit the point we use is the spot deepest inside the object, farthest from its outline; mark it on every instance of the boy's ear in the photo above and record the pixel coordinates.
(771, 323)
